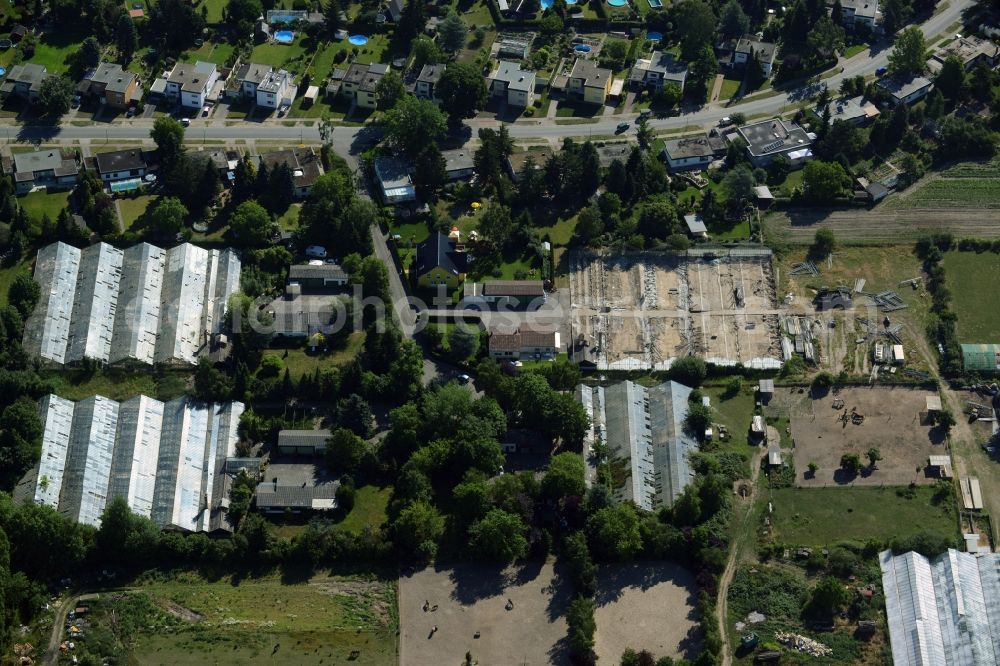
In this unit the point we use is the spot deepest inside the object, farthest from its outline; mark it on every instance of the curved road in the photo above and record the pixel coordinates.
(863, 63)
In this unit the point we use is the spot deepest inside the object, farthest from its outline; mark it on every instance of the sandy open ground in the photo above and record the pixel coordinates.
(895, 424)
(646, 606)
(473, 598)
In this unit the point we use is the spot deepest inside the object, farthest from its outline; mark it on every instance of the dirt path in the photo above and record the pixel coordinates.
(882, 225)
(722, 603)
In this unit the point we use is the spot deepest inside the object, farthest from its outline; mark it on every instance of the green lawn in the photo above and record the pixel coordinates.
(54, 49)
(75, 385)
(263, 621)
(299, 362)
(134, 208)
(822, 516)
(43, 202)
(278, 55)
(8, 273)
(730, 85)
(976, 305)
(854, 50)
(218, 53)
(573, 109)
(370, 504)
(289, 220)
(962, 192)
(215, 8)
(561, 232)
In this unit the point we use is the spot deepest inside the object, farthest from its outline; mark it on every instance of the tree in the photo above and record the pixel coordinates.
(55, 94)
(20, 440)
(688, 370)
(355, 414)
(499, 536)
(826, 599)
(564, 478)
(952, 80)
(874, 455)
(837, 13)
(823, 182)
(462, 90)
(413, 123)
(23, 294)
(614, 532)
(946, 420)
(589, 224)
(126, 36)
(412, 21)
(823, 243)
(813, 467)
(909, 54)
(452, 33)
(178, 23)
(826, 38)
(696, 24)
(643, 133)
(168, 134)
(668, 96)
(463, 341)
(242, 14)
(490, 159)
(850, 463)
(430, 171)
(331, 15)
(496, 225)
(580, 618)
(703, 67)
(251, 224)
(345, 451)
(167, 217)
(90, 52)
(733, 21)
(425, 51)
(698, 419)
(738, 185)
(389, 90)
(417, 529)
(211, 384)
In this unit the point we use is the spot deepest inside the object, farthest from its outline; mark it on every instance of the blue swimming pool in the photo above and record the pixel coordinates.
(278, 16)
(617, 3)
(284, 36)
(548, 3)
(582, 48)
(358, 40)
(3, 70)
(652, 35)
(126, 185)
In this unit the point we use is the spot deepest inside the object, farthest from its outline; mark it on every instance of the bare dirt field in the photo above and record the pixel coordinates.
(639, 311)
(894, 423)
(474, 598)
(882, 225)
(646, 606)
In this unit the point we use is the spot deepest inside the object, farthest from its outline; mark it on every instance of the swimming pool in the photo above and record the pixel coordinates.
(3, 70)
(126, 185)
(284, 36)
(652, 35)
(617, 3)
(548, 3)
(358, 40)
(582, 48)
(277, 16)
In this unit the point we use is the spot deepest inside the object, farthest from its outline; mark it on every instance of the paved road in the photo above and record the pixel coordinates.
(344, 138)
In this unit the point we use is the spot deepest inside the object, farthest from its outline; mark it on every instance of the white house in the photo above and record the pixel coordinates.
(276, 89)
(524, 344)
(906, 92)
(749, 46)
(693, 152)
(860, 12)
(191, 84)
(508, 80)
(121, 164)
(427, 82)
(659, 69)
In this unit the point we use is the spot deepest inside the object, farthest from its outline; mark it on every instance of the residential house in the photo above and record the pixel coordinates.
(121, 164)
(225, 161)
(589, 82)
(191, 84)
(516, 162)
(970, 50)
(50, 169)
(109, 84)
(852, 110)
(394, 180)
(392, 10)
(305, 164)
(503, 292)
(247, 78)
(427, 81)
(903, 91)
(748, 47)
(693, 152)
(768, 138)
(861, 13)
(317, 275)
(525, 344)
(659, 69)
(360, 82)
(277, 89)
(696, 225)
(458, 163)
(439, 263)
(512, 83)
(24, 81)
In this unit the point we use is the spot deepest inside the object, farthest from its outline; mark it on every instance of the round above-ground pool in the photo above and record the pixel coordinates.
(284, 36)
(5, 43)
(358, 40)
(654, 36)
(582, 48)
(3, 70)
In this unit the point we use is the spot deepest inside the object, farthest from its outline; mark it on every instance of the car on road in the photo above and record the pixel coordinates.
(881, 71)
(317, 251)
(725, 122)
(622, 127)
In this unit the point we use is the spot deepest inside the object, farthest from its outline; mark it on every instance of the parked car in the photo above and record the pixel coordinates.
(186, 122)
(204, 111)
(881, 71)
(130, 112)
(283, 110)
(76, 101)
(725, 122)
(317, 251)
(622, 127)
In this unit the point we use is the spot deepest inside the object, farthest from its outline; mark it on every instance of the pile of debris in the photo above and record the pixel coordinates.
(798, 338)
(888, 301)
(805, 268)
(803, 644)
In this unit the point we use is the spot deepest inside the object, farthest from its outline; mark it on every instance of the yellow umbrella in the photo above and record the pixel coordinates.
(476, 205)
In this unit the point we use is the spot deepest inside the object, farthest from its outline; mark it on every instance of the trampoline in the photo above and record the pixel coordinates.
(582, 48)
(284, 36)
(652, 35)
(358, 40)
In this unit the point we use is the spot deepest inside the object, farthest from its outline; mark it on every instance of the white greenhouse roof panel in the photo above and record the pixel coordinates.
(137, 318)
(46, 332)
(96, 296)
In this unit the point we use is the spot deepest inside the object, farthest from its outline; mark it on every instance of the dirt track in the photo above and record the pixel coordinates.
(880, 226)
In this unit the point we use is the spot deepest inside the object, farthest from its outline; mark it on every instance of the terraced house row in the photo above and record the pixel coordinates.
(167, 460)
(140, 305)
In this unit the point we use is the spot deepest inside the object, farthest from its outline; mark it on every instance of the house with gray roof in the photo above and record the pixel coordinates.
(276, 89)
(643, 429)
(769, 138)
(512, 83)
(748, 47)
(693, 152)
(109, 84)
(861, 13)
(458, 163)
(24, 81)
(191, 84)
(394, 180)
(852, 110)
(427, 81)
(121, 164)
(906, 91)
(51, 169)
(360, 83)
(659, 69)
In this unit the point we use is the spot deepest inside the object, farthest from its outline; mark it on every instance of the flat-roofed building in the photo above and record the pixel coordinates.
(769, 138)
(191, 84)
(513, 292)
(659, 69)
(51, 169)
(851, 110)
(302, 442)
(305, 164)
(324, 275)
(24, 81)
(394, 180)
(693, 152)
(427, 80)
(861, 12)
(94, 302)
(121, 164)
(46, 331)
(906, 90)
(971, 50)
(645, 428)
(749, 47)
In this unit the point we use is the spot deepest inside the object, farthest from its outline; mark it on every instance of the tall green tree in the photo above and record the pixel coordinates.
(413, 123)
(251, 224)
(55, 95)
(952, 80)
(331, 16)
(167, 216)
(389, 90)
(168, 134)
(909, 53)
(462, 90)
(499, 536)
(452, 32)
(126, 36)
(733, 21)
(696, 24)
